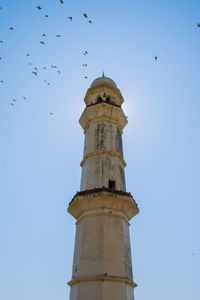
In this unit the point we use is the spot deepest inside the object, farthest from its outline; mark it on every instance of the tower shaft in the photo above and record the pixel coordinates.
(102, 267)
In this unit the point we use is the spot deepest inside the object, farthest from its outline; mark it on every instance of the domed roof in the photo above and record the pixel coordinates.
(103, 81)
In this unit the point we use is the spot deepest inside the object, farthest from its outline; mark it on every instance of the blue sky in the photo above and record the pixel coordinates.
(40, 153)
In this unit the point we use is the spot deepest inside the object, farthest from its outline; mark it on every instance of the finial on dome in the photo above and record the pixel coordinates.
(103, 74)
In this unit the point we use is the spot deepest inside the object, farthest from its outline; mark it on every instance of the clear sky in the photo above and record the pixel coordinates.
(40, 153)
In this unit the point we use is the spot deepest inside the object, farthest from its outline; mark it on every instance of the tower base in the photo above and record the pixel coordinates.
(102, 268)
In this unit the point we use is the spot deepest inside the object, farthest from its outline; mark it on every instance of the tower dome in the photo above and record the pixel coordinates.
(103, 81)
(105, 88)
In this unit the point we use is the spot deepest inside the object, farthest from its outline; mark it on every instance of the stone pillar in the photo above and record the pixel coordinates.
(102, 268)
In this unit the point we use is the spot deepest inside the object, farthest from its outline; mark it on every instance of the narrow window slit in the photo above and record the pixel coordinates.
(111, 184)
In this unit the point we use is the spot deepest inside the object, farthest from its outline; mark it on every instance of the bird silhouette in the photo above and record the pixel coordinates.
(58, 72)
(44, 35)
(61, 1)
(30, 64)
(85, 77)
(36, 68)
(198, 24)
(51, 113)
(0, 8)
(35, 73)
(46, 16)
(39, 7)
(84, 65)
(89, 21)
(57, 35)
(11, 28)
(12, 104)
(42, 42)
(14, 100)
(1, 42)
(85, 16)
(70, 18)
(156, 58)
(28, 54)
(44, 68)
(1, 81)
(24, 97)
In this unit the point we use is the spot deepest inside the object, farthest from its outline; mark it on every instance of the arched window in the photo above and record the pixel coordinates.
(99, 99)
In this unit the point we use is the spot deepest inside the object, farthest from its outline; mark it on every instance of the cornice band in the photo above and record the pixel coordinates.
(103, 152)
(102, 278)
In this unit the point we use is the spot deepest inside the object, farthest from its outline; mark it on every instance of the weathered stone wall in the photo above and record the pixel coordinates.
(103, 136)
(103, 139)
(99, 169)
(102, 259)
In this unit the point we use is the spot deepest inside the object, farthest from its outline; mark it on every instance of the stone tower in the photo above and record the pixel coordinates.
(102, 268)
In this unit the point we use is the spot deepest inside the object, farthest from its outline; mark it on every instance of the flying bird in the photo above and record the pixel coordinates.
(39, 7)
(85, 77)
(85, 52)
(36, 68)
(44, 35)
(58, 72)
(156, 58)
(89, 21)
(12, 104)
(24, 97)
(44, 68)
(35, 73)
(85, 16)
(84, 65)
(70, 18)
(51, 113)
(11, 28)
(14, 100)
(61, 2)
(46, 16)
(1, 81)
(29, 64)
(42, 42)
(0, 8)
(57, 35)
(28, 54)
(1, 42)
(198, 25)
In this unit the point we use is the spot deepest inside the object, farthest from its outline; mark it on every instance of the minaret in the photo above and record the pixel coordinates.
(102, 267)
